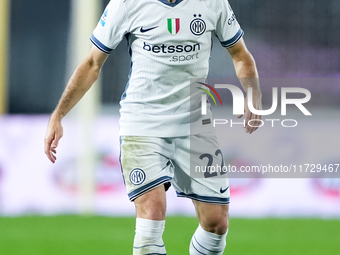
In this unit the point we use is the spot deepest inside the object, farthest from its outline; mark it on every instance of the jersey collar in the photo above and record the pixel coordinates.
(170, 4)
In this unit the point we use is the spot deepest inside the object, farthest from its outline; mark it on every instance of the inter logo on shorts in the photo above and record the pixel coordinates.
(137, 176)
(173, 26)
(198, 26)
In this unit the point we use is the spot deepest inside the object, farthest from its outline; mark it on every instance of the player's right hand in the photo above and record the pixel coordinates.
(53, 134)
(249, 116)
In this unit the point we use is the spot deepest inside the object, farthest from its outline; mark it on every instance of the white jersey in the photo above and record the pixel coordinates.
(170, 43)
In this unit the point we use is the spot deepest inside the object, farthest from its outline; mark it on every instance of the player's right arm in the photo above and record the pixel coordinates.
(80, 82)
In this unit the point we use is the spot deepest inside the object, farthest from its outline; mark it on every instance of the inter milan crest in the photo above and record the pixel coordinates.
(198, 26)
(137, 176)
(173, 26)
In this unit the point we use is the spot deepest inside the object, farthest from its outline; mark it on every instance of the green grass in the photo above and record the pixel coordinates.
(72, 235)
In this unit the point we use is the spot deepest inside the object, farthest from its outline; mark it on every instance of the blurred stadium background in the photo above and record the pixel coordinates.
(41, 41)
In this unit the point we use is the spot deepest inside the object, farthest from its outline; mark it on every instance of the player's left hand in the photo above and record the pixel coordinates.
(252, 121)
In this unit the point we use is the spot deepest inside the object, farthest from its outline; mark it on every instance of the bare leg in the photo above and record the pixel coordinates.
(152, 205)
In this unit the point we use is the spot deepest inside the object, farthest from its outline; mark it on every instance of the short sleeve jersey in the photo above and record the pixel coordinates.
(170, 45)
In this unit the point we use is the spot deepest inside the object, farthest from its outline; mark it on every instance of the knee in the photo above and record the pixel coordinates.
(217, 225)
(152, 212)
(213, 218)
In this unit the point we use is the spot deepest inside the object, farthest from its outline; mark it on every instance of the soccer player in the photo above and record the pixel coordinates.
(170, 44)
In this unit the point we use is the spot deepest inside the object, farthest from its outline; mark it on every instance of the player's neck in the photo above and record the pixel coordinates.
(171, 1)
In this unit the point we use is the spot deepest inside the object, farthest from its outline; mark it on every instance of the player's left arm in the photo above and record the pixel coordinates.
(246, 71)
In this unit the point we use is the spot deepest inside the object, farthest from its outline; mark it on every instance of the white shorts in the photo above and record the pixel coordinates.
(148, 162)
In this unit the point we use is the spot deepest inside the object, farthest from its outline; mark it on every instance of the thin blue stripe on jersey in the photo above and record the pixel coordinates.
(233, 40)
(100, 46)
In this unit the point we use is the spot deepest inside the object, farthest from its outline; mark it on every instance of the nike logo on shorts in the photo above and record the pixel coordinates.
(142, 30)
(223, 190)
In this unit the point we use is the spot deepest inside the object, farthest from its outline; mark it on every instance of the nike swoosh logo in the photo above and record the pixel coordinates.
(223, 190)
(142, 30)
